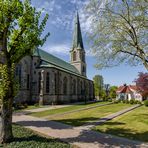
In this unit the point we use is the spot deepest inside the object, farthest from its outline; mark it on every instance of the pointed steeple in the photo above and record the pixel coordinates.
(77, 36)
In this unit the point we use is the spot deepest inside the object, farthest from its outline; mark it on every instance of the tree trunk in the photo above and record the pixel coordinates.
(6, 129)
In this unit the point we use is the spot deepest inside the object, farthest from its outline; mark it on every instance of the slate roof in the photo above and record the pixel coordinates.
(50, 61)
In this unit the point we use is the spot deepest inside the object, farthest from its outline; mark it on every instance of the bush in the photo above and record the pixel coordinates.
(146, 103)
(127, 101)
(132, 101)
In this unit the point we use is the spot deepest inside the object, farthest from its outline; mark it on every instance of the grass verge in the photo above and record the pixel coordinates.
(64, 109)
(87, 116)
(25, 138)
(132, 125)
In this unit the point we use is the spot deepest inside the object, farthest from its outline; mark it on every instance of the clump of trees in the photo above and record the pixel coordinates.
(20, 33)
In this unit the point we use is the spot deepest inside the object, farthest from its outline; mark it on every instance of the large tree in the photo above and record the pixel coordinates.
(98, 85)
(20, 33)
(119, 31)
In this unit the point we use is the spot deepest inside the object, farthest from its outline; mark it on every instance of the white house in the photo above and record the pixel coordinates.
(128, 92)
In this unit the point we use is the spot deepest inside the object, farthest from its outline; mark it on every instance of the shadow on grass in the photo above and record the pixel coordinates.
(87, 136)
(25, 138)
(50, 124)
(77, 122)
(127, 133)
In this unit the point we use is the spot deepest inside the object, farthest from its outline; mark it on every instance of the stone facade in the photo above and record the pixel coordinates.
(47, 79)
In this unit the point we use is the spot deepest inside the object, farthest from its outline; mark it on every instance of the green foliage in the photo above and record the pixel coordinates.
(112, 91)
(25, 138)
(98, 85)
(119, 32)
(132, 101)
(146, 103)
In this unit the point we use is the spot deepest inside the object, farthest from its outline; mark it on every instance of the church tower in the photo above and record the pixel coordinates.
(78, 53)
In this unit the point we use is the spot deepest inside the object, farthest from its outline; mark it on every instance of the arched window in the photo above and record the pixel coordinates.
(83, 69)
(81, 86)
(39, 81)
(18, 73)
(47, 82)
(83, 57)
(55, 81)
(65, 85)
(74, 87)
(74, 56)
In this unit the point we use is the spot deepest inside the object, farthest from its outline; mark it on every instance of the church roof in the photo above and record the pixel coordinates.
(77, 36)
(48, 61)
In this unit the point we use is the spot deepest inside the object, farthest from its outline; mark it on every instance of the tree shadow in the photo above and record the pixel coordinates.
(127, 133)
(77, 121)
(50, 124)
(106, 140)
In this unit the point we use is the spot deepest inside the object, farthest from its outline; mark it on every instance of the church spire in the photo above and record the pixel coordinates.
(77, 36)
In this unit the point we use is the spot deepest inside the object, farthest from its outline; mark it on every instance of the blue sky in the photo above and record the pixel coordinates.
(60, 25)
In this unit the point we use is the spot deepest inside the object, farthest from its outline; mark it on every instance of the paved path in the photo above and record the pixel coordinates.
(77, 110)
(80, 136)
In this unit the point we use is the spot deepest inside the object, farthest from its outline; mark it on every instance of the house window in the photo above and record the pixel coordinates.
(28, 81)
(74, 87)
(47, 82)
(39, 82)
(74, 56)
(65, 85)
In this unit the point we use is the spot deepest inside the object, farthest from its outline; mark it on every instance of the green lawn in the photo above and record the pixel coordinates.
(64, 109)
(132, 125)
(25, 138)
(86, 116)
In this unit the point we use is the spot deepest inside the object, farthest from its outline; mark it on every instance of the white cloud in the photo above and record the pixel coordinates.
(58, 49)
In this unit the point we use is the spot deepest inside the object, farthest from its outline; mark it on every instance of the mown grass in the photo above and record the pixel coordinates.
(132, 125)
(25, 138)
(64, 109)
(87, 116)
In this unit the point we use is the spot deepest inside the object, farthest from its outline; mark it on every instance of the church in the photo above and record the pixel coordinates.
(47, 79)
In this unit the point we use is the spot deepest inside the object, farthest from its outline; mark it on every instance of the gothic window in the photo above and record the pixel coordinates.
(65, 85)
(74, 87)
(74, 56)
(81, 86)
(28, 81)
(47, 82)
(39, 82)
(18, 73)
(83, 69)
(55, 81)
(83, 57)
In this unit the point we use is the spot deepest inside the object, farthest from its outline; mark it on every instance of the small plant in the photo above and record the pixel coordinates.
(132, 101)
(127, 101)
(146, 103)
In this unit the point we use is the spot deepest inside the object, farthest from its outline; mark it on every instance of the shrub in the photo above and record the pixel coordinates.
(132, 101)
(127, 101)
(146, 103)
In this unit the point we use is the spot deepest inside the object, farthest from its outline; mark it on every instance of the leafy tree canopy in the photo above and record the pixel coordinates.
(119, 32)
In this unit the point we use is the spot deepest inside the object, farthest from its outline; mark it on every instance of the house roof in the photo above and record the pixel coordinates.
(127, 89)
(50, 61)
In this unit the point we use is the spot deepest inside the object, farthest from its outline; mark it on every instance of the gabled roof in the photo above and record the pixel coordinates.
(48, 60)
(128, 89)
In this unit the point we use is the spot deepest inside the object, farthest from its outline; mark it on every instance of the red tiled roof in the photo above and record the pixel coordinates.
(127, 89)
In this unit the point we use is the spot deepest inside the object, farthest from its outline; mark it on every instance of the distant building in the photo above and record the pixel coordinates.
(128, 92)
(47, 79)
